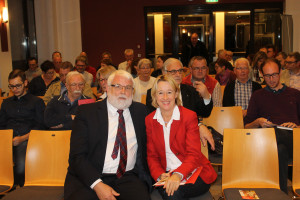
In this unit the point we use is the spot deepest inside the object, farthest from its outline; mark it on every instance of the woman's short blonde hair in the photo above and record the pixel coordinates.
(174, 85)
(105, 71)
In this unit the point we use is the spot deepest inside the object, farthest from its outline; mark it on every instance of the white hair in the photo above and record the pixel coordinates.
(170, 61)
(74, 73)
(122, 73)
(241, 60)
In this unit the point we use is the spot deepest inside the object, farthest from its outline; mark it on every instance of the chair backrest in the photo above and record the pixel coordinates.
(1, 100)
(6, 158)
(296, 159)
(94, 89)
(143, 99)
(250, 159)
(225, 117)
(47, 158)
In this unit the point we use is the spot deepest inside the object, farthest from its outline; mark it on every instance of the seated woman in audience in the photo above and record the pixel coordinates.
(159, 65)
(173, 143)
(133, 66)
(144, 81)
(255, 73)
(224, 74)
(102, 77)
(39, 85)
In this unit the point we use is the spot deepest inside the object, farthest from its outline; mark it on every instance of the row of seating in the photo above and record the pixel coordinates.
(250, 162)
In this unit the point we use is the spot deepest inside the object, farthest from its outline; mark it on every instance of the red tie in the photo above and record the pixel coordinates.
(121, 142)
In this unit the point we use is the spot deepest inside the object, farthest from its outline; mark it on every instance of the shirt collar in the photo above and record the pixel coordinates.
(22, 97)
(274, 91)
(114, 111)
(159, 118)
(239, 82)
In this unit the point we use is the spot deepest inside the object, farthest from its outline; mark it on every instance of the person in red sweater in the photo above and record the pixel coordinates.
(198, 76)
(276, 104)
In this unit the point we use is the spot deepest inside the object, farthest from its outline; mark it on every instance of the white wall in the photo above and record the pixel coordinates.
(292, 8)
(58, 28)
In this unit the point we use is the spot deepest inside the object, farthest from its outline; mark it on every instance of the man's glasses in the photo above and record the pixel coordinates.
(242, 68)
(173, 72)
(77, 84)
(199, 68)
(274, 75)
(102, 79)
(120, 87)
(17, 86)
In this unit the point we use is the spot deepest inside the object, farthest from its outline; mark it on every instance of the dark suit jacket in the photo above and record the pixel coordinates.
(190, 100)
(228, 97)
(184, 143)
(89, 141)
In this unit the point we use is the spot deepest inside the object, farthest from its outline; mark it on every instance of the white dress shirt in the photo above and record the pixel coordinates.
(111, 165)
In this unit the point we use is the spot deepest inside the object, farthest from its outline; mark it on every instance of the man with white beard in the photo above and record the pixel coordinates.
(60, 111)
(108, 146)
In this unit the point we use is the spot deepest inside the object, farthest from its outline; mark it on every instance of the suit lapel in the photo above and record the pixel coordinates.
(185, 96)
(136, 123)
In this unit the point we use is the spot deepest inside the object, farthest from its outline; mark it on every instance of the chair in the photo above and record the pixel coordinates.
(220, 118)
(207, 196)
(296, 162)
(94, 89)
(45, 166)
(6, 160)
(1, 100)
(143, 99)
(250, 162)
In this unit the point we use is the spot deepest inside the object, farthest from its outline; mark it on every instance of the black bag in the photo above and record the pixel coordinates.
(218, 138)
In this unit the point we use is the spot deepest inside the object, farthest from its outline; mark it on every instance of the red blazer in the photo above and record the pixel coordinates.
(184, 143)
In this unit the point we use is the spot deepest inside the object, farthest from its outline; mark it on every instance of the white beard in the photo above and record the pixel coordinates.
(119, 103)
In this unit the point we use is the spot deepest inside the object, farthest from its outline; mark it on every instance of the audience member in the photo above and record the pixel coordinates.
(221, 54)
(89, 68)
(106, 55)
(104, 63)
(263, 49)
(238, 92)
(189, 96)
(194, 48)
(39, 85)
(170, 119)
(60, 111)
(159, 65)
(59, 87)
(223, 73)
(144, 81)
(97, 170)
(134, 67)
(276, 104)
(291, 75)
(33, 69)
(202, 82)
(255, 73)
(104, 73)
(80, 65)
(270, 51)
(129, 55)
(57, 60)
(22, 112)
(229, 57)
(281, 56)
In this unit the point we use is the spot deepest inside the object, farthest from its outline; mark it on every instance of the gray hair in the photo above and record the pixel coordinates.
(170, 61)
(128, 51)
(74, 73)
(241, 60)
(122, 73)
(144, 61)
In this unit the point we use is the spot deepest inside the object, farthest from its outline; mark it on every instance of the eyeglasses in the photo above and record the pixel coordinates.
(80, 65)
(242, 68)
(199, 68)
(77, 84)
(50, 73)
(102, 79)
(120, 87)
(289, 62)
(17, 86)
(274, 75)
(173, 72)
(145, 68)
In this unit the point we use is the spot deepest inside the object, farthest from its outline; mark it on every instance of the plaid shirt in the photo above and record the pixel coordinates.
(242, 93)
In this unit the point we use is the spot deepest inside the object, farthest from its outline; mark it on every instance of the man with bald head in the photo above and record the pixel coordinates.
(194, 48)
(238, 92)
(60, 111)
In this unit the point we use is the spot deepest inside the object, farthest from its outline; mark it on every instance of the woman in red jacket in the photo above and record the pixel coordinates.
(173, 143)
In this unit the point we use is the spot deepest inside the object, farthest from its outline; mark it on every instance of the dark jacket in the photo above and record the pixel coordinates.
(189, 51)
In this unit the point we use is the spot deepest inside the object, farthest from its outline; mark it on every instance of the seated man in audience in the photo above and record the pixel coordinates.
(34, 70)
(276, 104)
(239, 91)
(224, 74)
(198, 101)
(270, 51)
(89, 68)
(22, 112)
(57, 60)
(291, 75)
(221, 54)
(144, 81)
(80, 65)
(108, 147)
(199, 76)
(60, 111)
(229, 57)
(281, 56)
(58, 88)
(129, 55)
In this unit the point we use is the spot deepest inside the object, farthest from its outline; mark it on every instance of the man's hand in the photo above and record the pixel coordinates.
(17, 140)
(73, 117)
(264, 123)
(105, 192)
(172, 184)
(205, 135)
(58, 126)
(289, 125)
(244, 113)
(202, 89)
